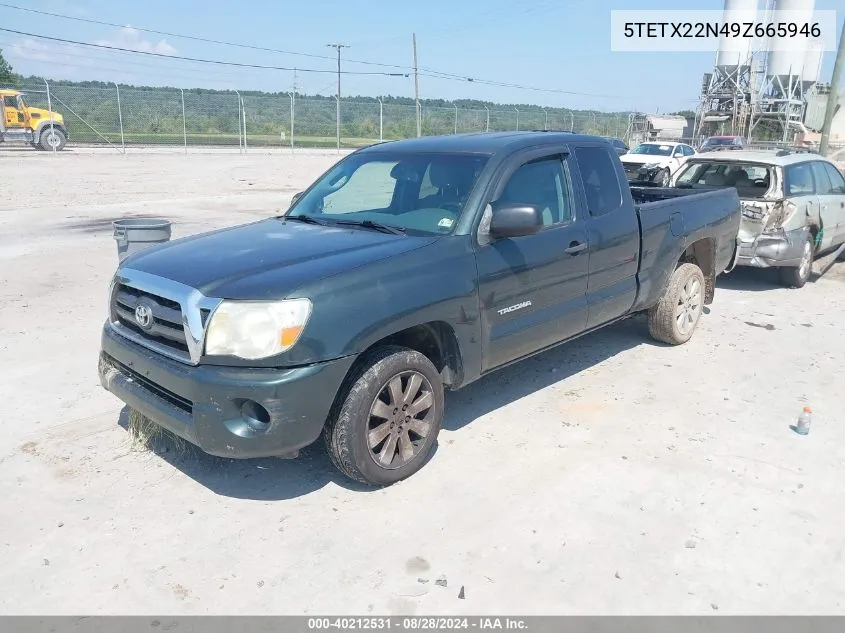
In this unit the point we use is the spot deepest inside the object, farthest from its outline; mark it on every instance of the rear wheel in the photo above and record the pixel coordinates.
(797, 276)
(52, 139)
(674, 319)
(387, 425)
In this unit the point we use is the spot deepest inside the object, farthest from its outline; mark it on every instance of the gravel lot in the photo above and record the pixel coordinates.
(611, 475)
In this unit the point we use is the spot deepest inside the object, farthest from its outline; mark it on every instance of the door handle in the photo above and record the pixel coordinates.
(576, 247)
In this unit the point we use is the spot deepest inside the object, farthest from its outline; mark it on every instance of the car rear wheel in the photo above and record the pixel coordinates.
(386, 426)
(674, 319)
(797, 276)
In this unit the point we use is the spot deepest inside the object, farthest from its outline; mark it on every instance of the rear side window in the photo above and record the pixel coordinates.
(836, 179)
(601, 181)
(799, 180)
(823, 186)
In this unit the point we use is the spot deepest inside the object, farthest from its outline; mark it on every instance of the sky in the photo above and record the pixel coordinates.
(563, 45)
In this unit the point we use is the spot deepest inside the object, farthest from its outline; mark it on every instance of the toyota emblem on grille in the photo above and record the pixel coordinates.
(144, 316)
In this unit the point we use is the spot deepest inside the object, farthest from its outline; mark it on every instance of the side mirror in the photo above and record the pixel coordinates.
(295, 197)
(515, 220)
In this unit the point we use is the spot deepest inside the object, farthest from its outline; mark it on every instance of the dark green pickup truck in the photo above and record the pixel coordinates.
(408, 268)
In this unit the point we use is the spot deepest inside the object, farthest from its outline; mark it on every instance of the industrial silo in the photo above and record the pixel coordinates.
(784, 67)
(812, 67)
(733, 59)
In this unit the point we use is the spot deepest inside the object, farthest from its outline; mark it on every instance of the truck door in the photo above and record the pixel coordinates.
(614, 235)
(532, 288)
(13, 118)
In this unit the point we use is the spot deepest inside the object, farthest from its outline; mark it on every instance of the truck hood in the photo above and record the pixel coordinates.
(268, 259)
(643, 159)
(40, 114)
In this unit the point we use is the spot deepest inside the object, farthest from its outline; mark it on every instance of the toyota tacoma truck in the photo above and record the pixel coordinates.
(408, 268)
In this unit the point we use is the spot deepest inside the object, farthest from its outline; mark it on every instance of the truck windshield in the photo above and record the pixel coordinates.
(415, 192)
(653, 149)
(752, 180)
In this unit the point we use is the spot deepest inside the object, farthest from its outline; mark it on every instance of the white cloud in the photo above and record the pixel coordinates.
(32, 50)
(132, 39)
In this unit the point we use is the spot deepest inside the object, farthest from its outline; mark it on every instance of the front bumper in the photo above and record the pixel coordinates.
(204, 404)
(638, 173)
(773, 249)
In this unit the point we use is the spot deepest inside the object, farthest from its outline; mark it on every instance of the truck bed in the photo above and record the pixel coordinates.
(707, 219)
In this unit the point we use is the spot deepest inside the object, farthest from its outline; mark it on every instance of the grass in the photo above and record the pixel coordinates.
(212, 140)
(145, 435)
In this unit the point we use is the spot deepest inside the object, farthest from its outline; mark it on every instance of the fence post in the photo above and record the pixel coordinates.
(240, 151)
(571, 122)
(456, 118)
(292, 118)
(120, 117)
(243, 108)
(337, 123)
(517, 118)
(545, 120)
(184, 121)
(50, 108)
(487, 125)
(380, 120)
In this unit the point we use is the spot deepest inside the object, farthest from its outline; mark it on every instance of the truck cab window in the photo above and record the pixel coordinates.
(601, 182)
(10, 102)
(542, 184)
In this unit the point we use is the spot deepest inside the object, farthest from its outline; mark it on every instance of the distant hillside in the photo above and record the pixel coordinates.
(154, 114)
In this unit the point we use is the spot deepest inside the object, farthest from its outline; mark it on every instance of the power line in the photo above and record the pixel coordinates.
(428, 72)
(194, 37)
(198, 59)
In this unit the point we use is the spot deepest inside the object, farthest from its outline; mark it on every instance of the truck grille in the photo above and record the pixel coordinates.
(166, 329)
(153, 388)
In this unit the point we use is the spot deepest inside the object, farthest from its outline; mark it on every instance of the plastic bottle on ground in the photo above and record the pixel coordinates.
(803, 425)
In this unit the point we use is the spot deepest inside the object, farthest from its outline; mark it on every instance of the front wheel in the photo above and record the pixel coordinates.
(674, 319)
(387, 424)
(52, 139)
(662, 178)
(797, 276)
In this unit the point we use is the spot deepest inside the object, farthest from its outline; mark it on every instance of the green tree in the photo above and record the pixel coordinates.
(7, 75)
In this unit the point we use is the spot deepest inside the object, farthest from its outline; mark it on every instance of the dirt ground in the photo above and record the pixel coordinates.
(611, 475)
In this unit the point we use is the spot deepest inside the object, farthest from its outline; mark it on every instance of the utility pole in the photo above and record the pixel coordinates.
(338, 47)
(834, 93)
(417, 89)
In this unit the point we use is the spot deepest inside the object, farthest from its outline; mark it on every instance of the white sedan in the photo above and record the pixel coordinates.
(655, 161)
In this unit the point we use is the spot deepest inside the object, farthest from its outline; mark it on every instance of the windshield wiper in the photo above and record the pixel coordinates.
(384, 228)
(303, 218)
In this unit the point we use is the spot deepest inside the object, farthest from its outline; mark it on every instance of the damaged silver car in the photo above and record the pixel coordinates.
(793, 206)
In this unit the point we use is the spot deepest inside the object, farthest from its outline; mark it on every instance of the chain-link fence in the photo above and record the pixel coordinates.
(124, 116)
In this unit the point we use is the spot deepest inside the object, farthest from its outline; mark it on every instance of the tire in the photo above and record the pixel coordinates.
(675, 317)
(47, 135)
(662, 178)
(366, 435)
(797, 276)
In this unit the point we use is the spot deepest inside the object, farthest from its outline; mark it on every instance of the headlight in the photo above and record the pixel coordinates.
(649, 166)
(256, 329)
